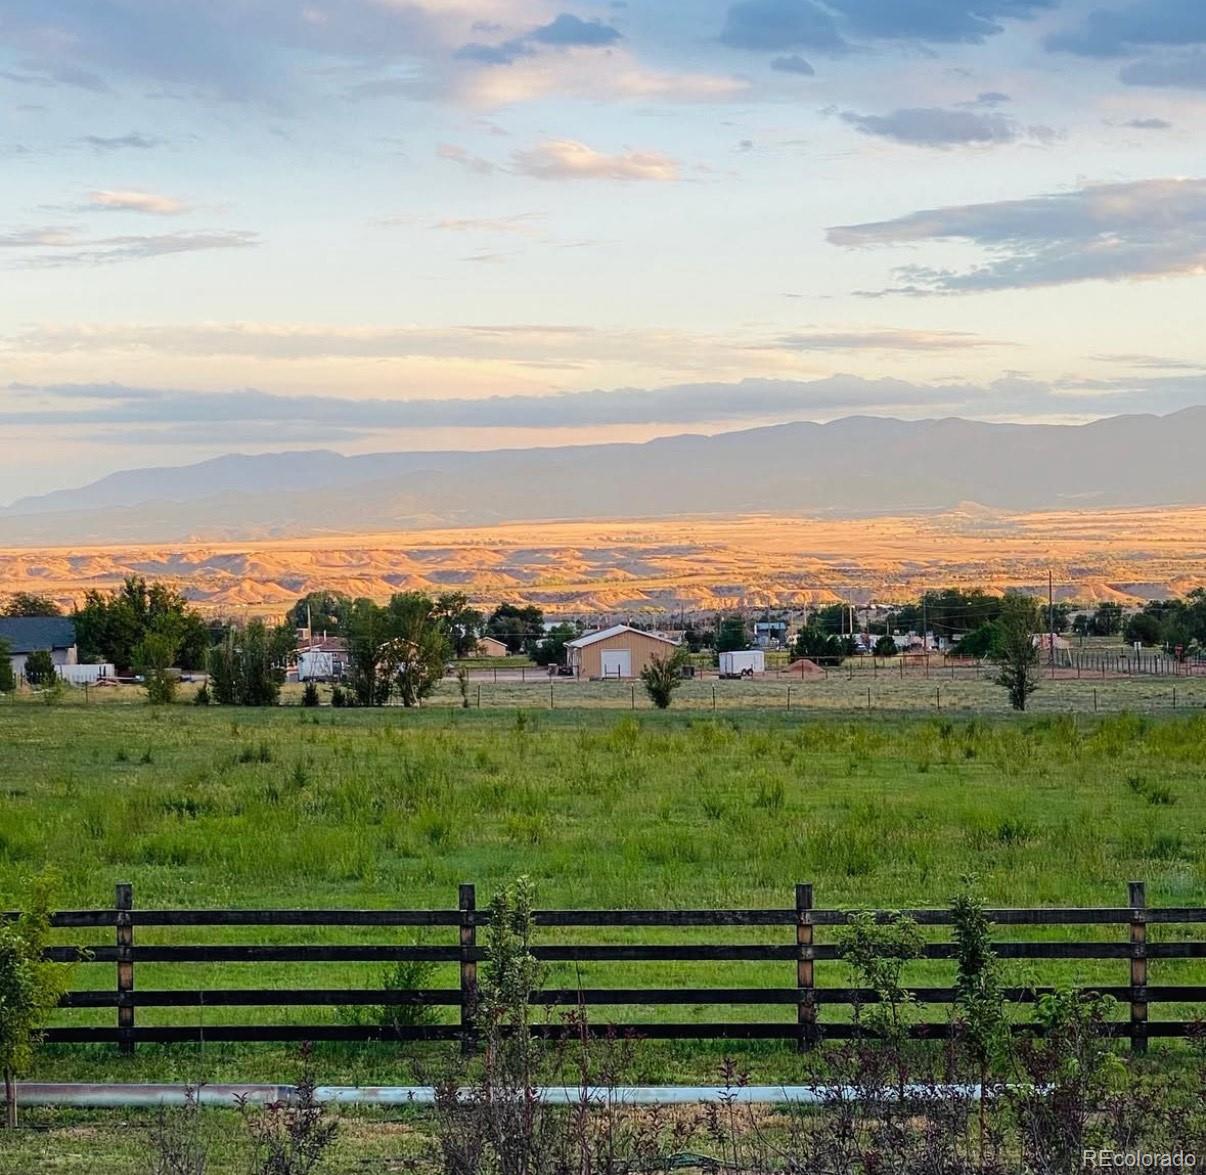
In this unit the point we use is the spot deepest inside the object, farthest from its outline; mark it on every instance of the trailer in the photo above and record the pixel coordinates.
(742, 663)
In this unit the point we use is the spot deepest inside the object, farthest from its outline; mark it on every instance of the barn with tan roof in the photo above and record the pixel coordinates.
(616, 653)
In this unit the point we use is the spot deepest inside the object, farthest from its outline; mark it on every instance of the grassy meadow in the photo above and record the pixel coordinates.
(295, 808)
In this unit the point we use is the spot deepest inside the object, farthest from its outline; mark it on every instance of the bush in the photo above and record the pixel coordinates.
(201, 697)
(661, 677)
(310, 695)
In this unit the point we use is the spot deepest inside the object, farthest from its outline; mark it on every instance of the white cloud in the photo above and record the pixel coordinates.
(567, 159)
(134, 201)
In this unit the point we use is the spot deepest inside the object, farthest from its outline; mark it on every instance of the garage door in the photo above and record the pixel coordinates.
(617, 663)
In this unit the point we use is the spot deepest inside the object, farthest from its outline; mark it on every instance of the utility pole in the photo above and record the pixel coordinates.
(1051, 618)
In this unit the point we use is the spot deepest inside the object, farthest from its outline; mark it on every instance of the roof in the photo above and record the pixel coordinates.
(27, 634)
(615, 630)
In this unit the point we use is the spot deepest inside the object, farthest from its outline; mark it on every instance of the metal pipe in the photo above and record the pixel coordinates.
(120, 1096)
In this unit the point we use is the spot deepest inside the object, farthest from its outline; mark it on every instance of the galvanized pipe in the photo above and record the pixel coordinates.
(120, 1096)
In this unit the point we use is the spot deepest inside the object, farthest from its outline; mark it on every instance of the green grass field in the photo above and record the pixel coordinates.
(292, 807)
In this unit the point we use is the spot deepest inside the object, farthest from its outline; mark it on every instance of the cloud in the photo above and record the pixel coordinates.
(1119, 32)
(1148, 124)
(177, 416)
(132, 201)
(567, 29)
(884, 339)
(131, 142)
(566, 159)
(564, 32)
(455, 154)
(751, 399)
(1185, 71)
(793, 63)
(832, 26)
(928, 126)
(1108, 232)
(56, 245)
(781, 24)
(522, 223)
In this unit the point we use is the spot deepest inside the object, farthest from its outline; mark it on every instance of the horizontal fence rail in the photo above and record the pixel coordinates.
(801, 923)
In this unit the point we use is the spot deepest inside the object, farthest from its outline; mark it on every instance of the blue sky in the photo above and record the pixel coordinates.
(244, 225)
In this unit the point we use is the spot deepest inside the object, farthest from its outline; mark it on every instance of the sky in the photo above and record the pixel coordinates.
(359, 225)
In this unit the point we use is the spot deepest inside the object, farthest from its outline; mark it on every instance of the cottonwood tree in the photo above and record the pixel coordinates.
(404, 646)
(30, 604)
(248, 667)
(1017, 655)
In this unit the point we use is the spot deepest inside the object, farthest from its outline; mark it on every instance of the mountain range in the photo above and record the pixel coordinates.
(847, 468)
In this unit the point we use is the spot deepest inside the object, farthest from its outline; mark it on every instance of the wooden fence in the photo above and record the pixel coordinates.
(799, 954)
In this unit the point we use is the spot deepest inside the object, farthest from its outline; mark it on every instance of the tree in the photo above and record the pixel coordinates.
(248, 667)
(30, 990)
(730, 635)
(515, 626)
(321, 611)
(8, 681)
(111, 625)
(153, 657)
(662, 676)
(1107, 620)
(551, 650)
(30, 604)
(39, 668)
(819, 645)
(885, 647)
(366, 636)
(462, 625)
(418, 647)
(1017, 657)
(984, 641)
(1143, 627)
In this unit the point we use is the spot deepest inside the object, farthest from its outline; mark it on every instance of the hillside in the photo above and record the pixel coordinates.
(847, 468)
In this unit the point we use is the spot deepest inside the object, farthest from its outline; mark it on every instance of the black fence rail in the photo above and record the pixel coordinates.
(799, 954)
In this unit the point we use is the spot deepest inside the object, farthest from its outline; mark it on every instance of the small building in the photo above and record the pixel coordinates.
(491, 646)
(1053, 649)
(323, 660)
(770, 634)
(618, 652)
(28, 634)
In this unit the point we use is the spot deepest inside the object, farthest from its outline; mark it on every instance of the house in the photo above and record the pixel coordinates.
(770, 634)
(1053, 649)
(616, 652)
(28, 634)
(325, 659)
(489, 646)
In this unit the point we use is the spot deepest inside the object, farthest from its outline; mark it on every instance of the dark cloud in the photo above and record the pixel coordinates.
(1119, 32)
(831, 26)
(927, 126)
(564, 32)
(131, 142)
(1108, 232)
(793, 63)
(173, 415)
(935, 20)
(1148, 124)
(781, 24)
(1185, 71)
(567, 29)
(883, 340)
(990, 99)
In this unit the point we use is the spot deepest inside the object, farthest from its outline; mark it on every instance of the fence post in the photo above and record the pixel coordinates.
(467, 902)
(1138, 901)
(123, 903)
(806, 1006)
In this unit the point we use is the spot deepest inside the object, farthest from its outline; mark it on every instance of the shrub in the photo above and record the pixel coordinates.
(8, 681)
(310, 695)
(201, 697)
(662, 676)
(30, 990)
